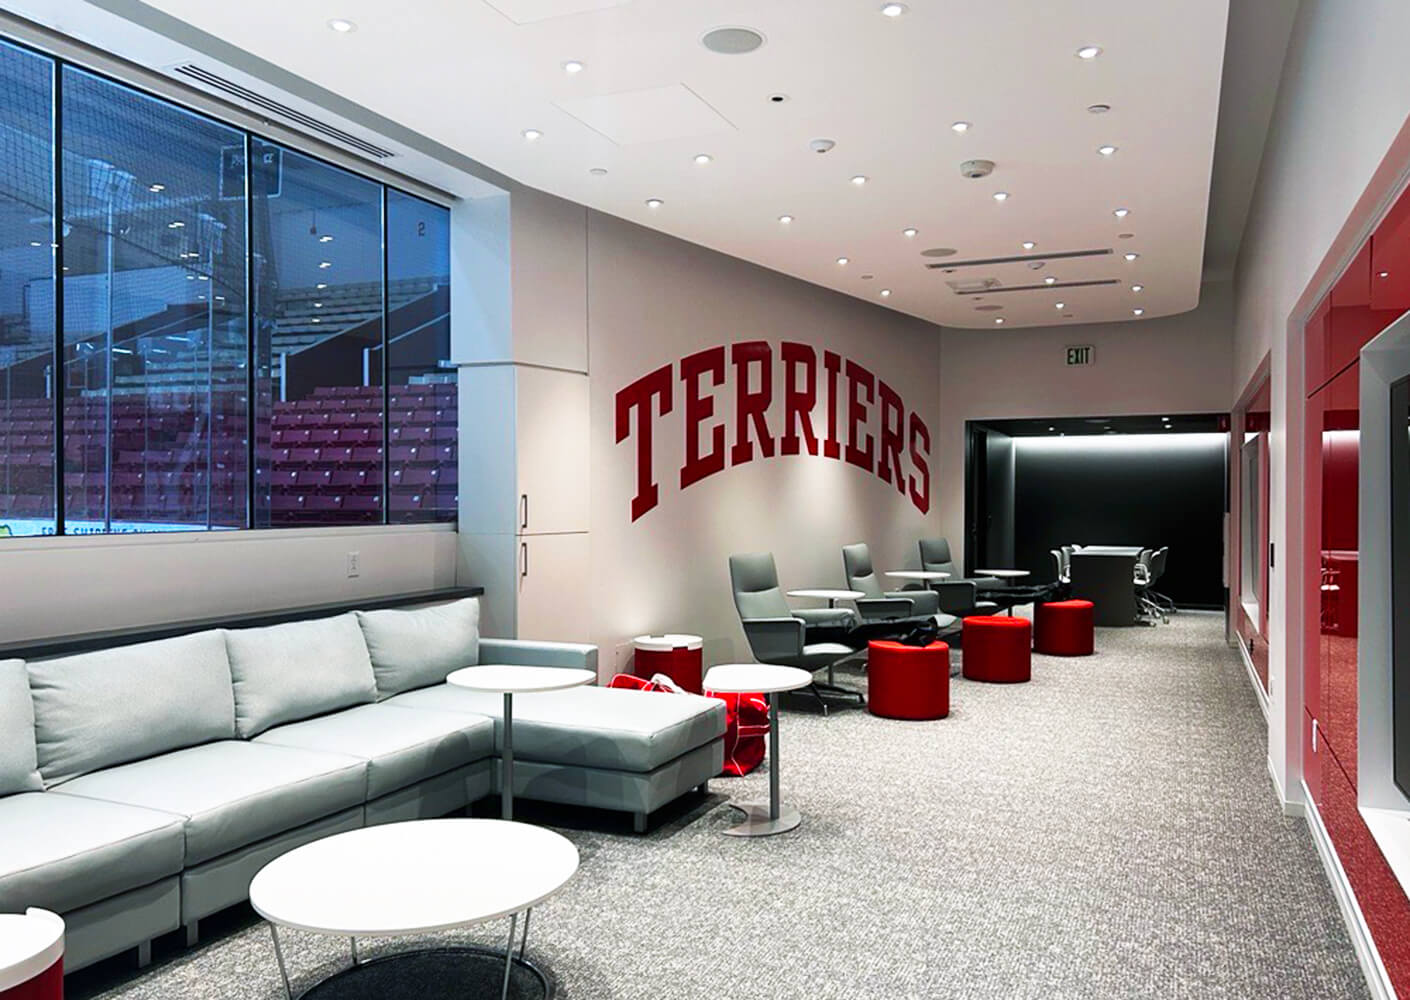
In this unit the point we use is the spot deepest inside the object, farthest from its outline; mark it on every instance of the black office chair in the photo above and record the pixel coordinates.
(1147, 607)
(1157, 571)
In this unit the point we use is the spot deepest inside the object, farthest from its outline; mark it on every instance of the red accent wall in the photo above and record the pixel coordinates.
(1367, 298)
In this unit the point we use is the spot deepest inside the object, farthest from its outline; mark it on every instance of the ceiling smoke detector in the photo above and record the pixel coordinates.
(821, 145)
(975, 169)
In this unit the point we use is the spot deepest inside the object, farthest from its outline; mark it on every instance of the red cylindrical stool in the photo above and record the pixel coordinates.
(31, 955)
(997, 648)
(1063, 628)
(908, 682)
(676, 656)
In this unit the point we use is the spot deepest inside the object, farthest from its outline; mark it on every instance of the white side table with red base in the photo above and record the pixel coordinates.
(31, 955)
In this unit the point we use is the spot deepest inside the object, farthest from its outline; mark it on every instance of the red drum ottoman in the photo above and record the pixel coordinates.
(1063, 628)
(31, 955)
(676, 656)
(908, 682)
(997, 649)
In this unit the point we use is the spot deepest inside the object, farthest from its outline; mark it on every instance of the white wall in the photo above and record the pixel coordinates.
(62, 586)
(653, 299)
(1176, 364)
(1336, 147)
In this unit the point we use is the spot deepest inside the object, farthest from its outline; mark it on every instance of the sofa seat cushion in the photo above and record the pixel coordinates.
(401, 746)
(61, 852)
(233, 793)
(589, 726)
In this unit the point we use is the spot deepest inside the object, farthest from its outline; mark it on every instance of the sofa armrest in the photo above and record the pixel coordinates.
(881, 608)
(774, 640)
(529, 653)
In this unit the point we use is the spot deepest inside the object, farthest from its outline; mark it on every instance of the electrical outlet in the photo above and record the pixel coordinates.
(354, 564)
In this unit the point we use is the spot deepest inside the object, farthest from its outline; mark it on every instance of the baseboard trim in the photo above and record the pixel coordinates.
(1377, 979)
(1253, 678)
(1290, 807)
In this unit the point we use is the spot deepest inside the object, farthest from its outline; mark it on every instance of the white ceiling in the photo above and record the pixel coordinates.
(474, 74)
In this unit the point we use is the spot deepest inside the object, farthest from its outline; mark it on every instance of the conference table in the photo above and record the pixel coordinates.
(1106, 575)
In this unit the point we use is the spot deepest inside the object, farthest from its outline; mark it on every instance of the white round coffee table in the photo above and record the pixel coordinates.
(508, 680)
(1003, 574)
(923, 575)
(401, 879)
(824, 594)
(761, 818)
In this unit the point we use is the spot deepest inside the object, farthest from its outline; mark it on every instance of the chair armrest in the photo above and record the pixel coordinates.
(825, 616)
(923, 602)
(957, 597)
(774, 640)
(878, 608)
(529, 653)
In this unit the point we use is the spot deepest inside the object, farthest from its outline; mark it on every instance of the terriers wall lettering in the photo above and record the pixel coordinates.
(867, 424)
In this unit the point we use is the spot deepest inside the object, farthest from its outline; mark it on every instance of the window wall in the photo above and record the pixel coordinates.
(247, 336)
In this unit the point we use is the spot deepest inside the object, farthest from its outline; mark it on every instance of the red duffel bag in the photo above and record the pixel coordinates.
(746, 720)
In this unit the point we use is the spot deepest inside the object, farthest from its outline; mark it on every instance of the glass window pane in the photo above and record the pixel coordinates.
(423, 468)
(154, 314)
(26, 293)
(317, 234)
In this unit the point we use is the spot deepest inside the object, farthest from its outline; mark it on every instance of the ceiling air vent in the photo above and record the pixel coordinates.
(974, 286)
(245, 95)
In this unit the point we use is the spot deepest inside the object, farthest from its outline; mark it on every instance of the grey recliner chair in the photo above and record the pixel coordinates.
(958, 595)
(879, 605)
(777, 633)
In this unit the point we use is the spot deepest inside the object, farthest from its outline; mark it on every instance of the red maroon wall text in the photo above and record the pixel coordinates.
(865, 422)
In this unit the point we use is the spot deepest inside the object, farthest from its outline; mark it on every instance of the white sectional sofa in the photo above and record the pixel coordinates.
(143, 785)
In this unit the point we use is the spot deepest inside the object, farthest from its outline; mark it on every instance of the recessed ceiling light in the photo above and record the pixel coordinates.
(175, 225)
(325, 238)
(1098, 109)
(1029, 244)
(859, 179)
(1089, 52)
(35, 243)
(885, 293)
(1384, 274)
(156, 188)
(785, 219)
(1107, 150)
(654, 203)
(318, 305)
(532, 134)
(1131, 256)
(1050, 280)
(1138, 288)
(999, 321)
(598, 171)
(572, 66)
(1059, 305)
(910, 233)
(1052, 428)
(842, 261)
(1001, 196)
(1138, 312)
(893, 9)
(1121, 213)
(342, 25)
(325, 264)
(321, 285)
(703, 158)
(960, 127)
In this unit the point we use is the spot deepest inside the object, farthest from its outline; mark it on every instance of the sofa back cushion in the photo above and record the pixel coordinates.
(97, 710)
(284, 673)
(19, 767)
(418, 648)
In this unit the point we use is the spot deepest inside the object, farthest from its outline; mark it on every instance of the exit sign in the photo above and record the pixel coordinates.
(1082, 354)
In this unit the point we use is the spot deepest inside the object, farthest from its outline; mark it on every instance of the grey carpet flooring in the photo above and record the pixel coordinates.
(1107, 830)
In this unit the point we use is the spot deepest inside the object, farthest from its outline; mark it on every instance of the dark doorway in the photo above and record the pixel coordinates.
(1034, 485)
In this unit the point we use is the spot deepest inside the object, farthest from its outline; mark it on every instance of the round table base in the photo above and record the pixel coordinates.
(434, 974)
(757, 823)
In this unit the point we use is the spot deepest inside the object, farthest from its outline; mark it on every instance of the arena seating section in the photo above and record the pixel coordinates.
(326, 458)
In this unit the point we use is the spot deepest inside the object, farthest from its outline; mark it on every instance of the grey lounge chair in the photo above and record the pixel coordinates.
(778, 634)
(959, 595)
(879, 605)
